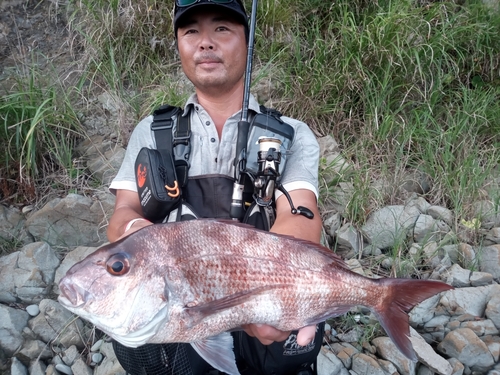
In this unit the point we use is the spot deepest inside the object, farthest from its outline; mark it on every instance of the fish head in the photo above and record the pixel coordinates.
(120, 289)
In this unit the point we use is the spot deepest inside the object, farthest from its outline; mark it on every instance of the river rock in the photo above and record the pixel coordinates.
(481, 327)
(441, 213)
(466, 300)
(12, 226)
(37, 368)
(81, 368)
(110, 364)
(345, 352)
(27, 275)
(332, 223)
(489, 261)
(424, 311)
(56, 324)
(387, 350)
(328, 363)
(487, 213)
(428, 356)
(464, 345)
(493, 344)
(33, 310)
(341, 195)
(457, 276)
(493, 307)
(389, 225)
(458, 367)
(104, 166)
(74, 220)
(348, 237)
(480, 278)
(429, 229)
(33, 349)
(435, 257)
(364, 364)
(462, 254)
(64, 369)
(70, 355)
(18, 368)
(12, 322)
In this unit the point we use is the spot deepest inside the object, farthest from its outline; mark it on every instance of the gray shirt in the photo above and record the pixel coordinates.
(213, 156)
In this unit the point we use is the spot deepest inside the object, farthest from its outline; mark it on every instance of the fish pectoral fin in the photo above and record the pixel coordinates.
(218, 352)
(200, 311)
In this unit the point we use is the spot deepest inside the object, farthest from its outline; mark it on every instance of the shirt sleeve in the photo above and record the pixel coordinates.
(141, 137)
(301, 169)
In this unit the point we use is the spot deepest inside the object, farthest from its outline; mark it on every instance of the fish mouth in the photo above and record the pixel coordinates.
(72, 295)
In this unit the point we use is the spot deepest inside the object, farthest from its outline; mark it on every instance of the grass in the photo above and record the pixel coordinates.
(9, 244)
(38, 131)
(401, 85)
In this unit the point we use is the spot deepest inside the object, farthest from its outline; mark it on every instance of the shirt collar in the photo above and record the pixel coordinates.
(193, 100)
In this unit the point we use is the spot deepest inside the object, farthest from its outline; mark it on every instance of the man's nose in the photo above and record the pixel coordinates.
(206, 42)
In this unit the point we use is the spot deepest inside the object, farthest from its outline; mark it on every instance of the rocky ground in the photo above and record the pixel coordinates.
(456, 332)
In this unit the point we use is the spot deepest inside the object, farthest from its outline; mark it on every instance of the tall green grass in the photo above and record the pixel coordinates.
(401, 85)
(38, 131)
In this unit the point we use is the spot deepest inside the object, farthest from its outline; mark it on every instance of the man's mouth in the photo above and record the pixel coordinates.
(208, 60)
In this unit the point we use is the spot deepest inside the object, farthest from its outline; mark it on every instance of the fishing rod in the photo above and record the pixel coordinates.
(269, 156)
(237, 209)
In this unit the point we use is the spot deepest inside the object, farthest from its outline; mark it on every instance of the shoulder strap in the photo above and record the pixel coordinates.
(172, 135)
(271, 112)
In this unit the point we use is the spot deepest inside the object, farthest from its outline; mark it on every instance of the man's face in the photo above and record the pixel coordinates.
(213, 51)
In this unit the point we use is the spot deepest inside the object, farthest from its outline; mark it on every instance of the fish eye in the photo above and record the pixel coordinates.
(118, 265)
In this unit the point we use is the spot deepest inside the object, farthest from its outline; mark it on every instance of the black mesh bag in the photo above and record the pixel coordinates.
(160, 359)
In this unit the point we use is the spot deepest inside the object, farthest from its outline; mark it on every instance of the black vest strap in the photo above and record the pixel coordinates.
(172, 134)
(270, 111)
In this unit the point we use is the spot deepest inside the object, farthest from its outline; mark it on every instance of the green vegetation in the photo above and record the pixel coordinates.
(38, 131)
(399, 84)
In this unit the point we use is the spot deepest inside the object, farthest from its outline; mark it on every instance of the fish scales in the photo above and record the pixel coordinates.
(305, 279)
(191, 281)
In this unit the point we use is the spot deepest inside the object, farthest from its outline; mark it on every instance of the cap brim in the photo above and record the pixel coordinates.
(237, 11)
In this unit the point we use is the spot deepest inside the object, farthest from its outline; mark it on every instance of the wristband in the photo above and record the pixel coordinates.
(132, 222)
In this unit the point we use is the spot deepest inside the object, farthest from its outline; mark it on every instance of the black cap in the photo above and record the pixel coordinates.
(235, 6)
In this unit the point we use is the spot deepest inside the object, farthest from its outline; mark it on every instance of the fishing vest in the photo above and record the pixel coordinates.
(168, 195)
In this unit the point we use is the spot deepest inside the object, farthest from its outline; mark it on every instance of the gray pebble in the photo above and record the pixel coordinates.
(64, 369)
(97, 357)
(33, 310)
(96, 346)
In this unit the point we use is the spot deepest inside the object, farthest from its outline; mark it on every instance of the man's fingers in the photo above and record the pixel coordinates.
(306, 335)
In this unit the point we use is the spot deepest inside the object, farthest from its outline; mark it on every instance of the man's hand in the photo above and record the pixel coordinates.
(268, 334)
(299, 227)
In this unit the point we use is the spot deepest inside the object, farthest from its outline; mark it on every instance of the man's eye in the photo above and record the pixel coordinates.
(221, 28)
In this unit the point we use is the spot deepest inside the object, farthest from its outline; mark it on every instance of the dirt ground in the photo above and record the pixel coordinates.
(33, 31)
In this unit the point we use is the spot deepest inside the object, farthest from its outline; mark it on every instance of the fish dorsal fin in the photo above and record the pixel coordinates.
(218, 352)
(312, 245)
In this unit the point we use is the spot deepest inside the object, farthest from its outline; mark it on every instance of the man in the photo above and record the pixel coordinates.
(212, 43)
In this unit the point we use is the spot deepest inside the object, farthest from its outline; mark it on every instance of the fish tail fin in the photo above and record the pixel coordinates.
(392, 311)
